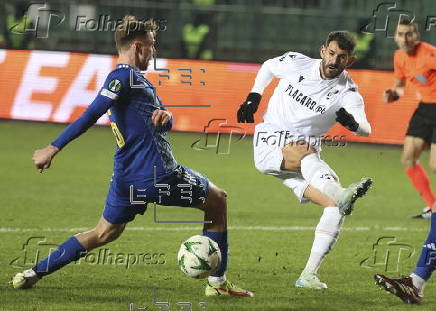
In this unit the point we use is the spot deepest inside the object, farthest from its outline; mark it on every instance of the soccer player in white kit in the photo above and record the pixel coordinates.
(311, 96)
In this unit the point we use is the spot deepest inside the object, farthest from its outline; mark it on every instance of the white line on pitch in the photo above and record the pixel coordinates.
(231, 228)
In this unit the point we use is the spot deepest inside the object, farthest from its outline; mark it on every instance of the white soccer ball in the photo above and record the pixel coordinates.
(199, 257)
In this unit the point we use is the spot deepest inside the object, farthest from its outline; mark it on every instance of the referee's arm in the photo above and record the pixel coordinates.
(394, 93)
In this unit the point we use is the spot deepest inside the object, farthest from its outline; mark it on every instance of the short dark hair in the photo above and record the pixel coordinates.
(408, 22)
(344, 39)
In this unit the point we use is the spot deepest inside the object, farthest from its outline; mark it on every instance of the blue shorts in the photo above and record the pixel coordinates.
(183, 187)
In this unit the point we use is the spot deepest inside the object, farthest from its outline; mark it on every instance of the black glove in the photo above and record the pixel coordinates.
(346, 119)
(248, 108)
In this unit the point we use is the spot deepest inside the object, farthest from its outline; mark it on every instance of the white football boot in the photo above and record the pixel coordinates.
(25, 279)
(426, 213)
(351, 194)
(310, 280)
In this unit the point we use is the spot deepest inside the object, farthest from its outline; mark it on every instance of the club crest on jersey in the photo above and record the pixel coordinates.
(332, 93)
(115, 85)
(304, 100)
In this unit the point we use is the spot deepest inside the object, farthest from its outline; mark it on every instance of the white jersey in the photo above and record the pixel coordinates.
(303, 103)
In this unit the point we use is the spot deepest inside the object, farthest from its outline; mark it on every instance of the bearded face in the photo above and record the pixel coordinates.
(334, 60)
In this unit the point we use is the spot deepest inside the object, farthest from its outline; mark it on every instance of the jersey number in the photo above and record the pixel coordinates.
(118, 136)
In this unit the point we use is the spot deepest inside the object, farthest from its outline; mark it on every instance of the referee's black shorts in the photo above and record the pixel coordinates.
(423, 123)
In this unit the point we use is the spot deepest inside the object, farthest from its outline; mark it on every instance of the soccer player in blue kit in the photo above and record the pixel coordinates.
(143, 162)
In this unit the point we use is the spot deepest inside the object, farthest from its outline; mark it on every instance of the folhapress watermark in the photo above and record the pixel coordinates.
(104, 256)
(40, 18)
(218, 135)
(36, 248)
(105, 22)
(387, 15)
(281, 138)
(388, 255)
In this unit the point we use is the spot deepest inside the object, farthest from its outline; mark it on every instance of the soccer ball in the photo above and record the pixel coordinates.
(199, 257)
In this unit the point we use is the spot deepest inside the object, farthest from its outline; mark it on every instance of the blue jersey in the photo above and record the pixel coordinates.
(143, 151)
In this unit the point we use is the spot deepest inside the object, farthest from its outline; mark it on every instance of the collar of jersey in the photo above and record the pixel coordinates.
(135, 70)
(126, 66)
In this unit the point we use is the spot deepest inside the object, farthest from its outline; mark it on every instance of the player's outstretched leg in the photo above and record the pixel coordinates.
(215, 210)
(325, 190)
(326, 235)
(71, 250)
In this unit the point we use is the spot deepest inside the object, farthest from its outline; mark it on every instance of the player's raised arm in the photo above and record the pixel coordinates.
(275, 67)
(116, 83)
(352, 115)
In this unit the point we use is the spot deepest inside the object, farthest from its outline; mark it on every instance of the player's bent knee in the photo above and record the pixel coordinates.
(217, 198)
(220, 199)
(222, 196)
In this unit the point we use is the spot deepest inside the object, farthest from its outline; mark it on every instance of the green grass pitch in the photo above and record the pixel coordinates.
(270, 233)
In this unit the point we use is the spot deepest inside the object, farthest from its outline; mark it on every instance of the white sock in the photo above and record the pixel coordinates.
(419, 283)
(326, 234)
(317, 173)
(217, 280)
(30, 273)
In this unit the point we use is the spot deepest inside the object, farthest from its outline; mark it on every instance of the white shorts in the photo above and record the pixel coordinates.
(268, 158)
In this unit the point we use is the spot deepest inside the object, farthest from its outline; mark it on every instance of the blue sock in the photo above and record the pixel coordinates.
(427, 261)
(221, 239)
(67, 252)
